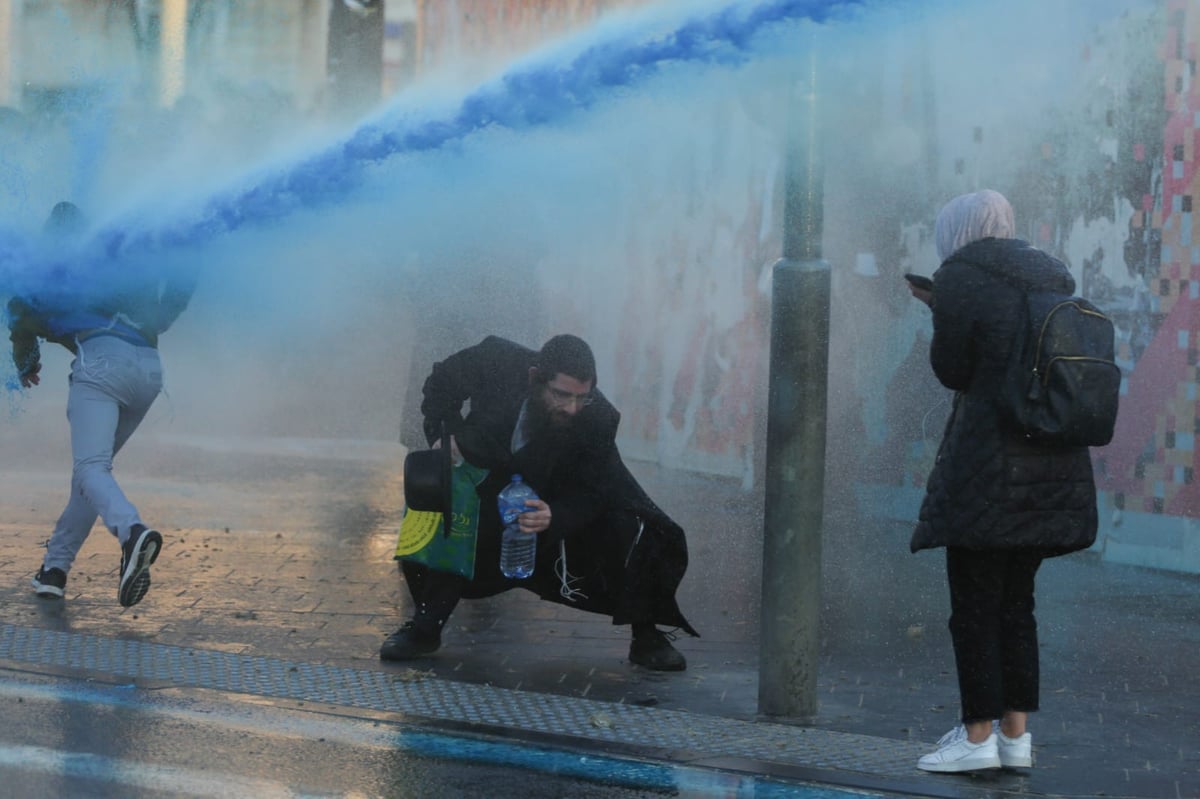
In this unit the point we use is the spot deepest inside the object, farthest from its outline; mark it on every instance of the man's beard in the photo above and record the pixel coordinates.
(548, 428)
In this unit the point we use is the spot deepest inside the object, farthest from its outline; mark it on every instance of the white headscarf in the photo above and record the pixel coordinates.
(971, 217)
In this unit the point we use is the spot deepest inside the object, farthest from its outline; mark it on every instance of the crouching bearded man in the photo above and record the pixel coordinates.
(602, 544)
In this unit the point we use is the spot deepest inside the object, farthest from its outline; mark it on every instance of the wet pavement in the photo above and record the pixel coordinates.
(278, 552)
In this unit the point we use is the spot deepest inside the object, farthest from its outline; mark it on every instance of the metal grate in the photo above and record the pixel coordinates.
(432, 698)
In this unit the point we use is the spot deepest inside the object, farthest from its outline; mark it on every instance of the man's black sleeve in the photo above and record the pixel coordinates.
(451, 383)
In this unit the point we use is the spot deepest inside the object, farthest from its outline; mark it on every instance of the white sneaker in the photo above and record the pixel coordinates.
(956, 753)
(1015, 752)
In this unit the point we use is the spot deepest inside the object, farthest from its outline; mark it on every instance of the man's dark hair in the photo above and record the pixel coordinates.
(568, 355)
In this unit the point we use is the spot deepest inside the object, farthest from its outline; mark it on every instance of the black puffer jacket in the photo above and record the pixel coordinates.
(990, 488)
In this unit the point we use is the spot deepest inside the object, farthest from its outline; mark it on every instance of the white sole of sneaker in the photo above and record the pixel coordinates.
(959, 766)
(47, 591)
(1017, 763)
(135, 580)
(1010, 761)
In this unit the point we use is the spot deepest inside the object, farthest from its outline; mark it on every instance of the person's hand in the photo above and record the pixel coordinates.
(455, 456)
(537, 518)
(31, 377)
(924, 295)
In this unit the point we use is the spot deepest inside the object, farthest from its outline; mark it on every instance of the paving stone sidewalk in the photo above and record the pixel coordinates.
(282, 549)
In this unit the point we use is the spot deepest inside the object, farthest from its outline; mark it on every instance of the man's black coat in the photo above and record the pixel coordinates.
(582, 477)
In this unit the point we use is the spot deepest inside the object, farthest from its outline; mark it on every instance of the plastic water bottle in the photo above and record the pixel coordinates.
(517, 549)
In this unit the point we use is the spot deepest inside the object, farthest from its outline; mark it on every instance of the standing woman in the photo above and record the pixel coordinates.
(997, 502)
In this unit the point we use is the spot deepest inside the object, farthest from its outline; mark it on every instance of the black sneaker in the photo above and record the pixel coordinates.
(50, 583)
(407, 644)
(654, 651)
(136, 556)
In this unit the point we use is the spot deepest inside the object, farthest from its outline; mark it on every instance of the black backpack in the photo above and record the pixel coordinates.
(1062, 382)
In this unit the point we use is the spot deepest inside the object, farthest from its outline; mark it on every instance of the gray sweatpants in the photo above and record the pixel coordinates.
(113, 385)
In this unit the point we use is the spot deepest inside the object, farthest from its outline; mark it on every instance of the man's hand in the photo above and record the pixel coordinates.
(31, 378)
(455, 456)
(537, 518)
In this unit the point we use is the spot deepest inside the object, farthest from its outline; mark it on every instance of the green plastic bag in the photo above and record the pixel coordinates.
(421, 536)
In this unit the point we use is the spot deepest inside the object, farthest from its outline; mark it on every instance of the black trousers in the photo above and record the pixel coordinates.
(994, 630)
(602, 555)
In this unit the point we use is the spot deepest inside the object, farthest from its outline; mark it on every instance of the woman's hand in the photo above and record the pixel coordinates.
(537, 518)
(924, 295)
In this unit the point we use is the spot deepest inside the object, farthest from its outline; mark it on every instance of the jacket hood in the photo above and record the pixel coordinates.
(1021, 263)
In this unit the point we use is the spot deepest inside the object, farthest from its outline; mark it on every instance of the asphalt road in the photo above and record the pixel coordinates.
(65, 737)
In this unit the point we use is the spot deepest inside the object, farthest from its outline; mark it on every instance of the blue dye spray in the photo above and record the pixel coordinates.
(542, 93)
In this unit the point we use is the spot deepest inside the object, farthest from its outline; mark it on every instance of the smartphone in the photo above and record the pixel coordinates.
(919, 281)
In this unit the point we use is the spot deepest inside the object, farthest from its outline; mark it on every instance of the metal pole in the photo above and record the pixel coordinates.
(172, 52)
(9, 41)
(354, 56)
(796, 416)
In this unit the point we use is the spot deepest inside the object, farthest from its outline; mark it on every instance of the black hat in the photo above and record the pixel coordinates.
(427, 481)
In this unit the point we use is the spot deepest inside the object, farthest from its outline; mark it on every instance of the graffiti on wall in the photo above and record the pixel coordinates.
(1150, 466)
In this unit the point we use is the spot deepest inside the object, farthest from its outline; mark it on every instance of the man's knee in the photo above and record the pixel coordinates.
(92, 466)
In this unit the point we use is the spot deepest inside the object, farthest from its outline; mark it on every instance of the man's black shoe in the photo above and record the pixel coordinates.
(653, 651)
(137, 553)
(50, 583)
(407, 644)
